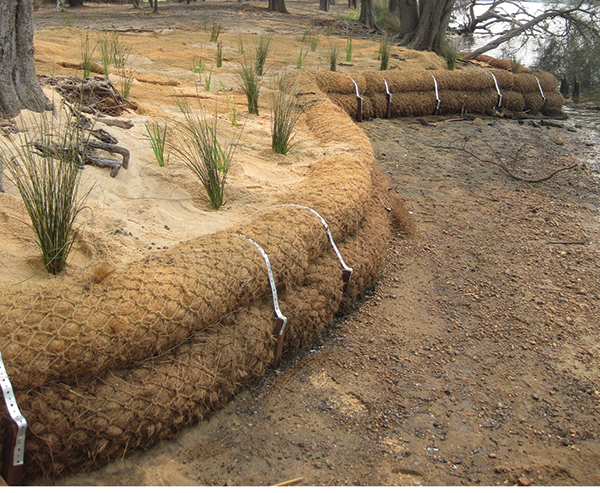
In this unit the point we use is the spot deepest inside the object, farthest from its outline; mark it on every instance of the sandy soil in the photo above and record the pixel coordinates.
(473, 361)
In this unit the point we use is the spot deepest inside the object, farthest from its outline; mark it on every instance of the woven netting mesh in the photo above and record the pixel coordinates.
(425, 92)
(106, 368)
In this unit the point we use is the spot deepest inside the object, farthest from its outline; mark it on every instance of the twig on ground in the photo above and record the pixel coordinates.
(290, 482)
(499, 162)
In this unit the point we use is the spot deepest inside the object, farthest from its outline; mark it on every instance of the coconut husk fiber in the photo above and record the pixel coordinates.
(414, 92)
(104, 368)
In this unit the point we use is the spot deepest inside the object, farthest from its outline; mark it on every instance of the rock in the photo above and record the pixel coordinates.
(559, 141)
(478, 122)
(523, 481)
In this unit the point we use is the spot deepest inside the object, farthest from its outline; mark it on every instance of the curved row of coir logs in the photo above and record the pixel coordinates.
(106, 367)
(397, 93)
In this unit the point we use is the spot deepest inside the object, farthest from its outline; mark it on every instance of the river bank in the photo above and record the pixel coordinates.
(472, 362)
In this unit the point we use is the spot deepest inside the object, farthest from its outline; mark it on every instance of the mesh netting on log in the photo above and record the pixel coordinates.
(104, 368)
(414, 93)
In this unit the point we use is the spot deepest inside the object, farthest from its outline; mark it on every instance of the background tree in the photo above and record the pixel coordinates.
(19, 86)
(278, 6)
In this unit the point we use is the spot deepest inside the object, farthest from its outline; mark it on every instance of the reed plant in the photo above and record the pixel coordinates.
(451, 53)
(285, 113)
(349, 49)
(44, 164)
(250, 84)
(219, 55)
(105, 53)
(197, 145)
(86, 55)
(333, 57)
(197, 65)
(126, 81)
(314, 41)
(384, 52)
(262, 51)
(157, 133)
(214, 32)
(118, 49)
(301, 56)
(240, 44)
(232, 107)
(207, 80)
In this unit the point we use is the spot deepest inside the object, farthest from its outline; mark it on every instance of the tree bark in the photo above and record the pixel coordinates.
(19, 86)
(352, 4)
(278, 6)
(424, 25)
(367, 14)
(324, 5)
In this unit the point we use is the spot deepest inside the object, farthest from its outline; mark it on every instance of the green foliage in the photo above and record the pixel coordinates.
(240, 43)
(207, 80)
(126, 80)
(577, 54)
(158, 139)
(197, 145)
(250, 84)
(232, 107)
(118, 49)
(197, 65)
(44, 164)
(86, 55)
(349, 49)
(314, 41)
(301, 56)
(351, 15)
(285, 112)
(262, 51)
(450, 52)
(386, 20)
(219, 55)
(214, 32)
(333, 57)
(105, 52)
(384, 52)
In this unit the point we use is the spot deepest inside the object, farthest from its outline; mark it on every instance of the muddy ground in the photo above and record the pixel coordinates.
(474, 361)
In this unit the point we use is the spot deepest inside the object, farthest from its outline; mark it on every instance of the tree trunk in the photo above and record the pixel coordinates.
(324, 5)
(367, 14)
(75, 3)
(352, 4)
(394, 7)
(428, 32)
(19, 86)
(278, 6)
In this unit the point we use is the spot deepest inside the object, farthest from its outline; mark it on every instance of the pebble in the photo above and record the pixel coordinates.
(523, 481)
(478, 122)
(559, 141)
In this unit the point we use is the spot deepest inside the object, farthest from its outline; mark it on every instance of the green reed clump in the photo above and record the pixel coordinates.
(301, 56)
(349, 49)
(219, 55)
(214, 32)
(86, 55)
(333, 57)
(250, 81)
(451, 53)
(384, 52)
(262, 51)
(285, 113)
(157, 133)
(197, 145)
(44, 163)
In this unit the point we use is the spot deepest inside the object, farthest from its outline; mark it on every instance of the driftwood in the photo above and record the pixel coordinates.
(94, 95)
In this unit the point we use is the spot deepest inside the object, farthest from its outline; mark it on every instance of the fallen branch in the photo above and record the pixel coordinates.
(501, 165)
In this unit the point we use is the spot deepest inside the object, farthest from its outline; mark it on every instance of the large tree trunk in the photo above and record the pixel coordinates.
(324, 5)
(19, 86)
(424, 25)
(367, 14)
(278, 6)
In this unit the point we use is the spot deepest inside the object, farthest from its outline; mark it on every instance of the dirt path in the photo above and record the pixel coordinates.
(475, 359)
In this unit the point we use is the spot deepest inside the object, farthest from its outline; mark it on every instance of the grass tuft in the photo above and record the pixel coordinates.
(285, 113)
(262, 51)
(158, 139)
(197, 145)
(333, 57)
(384, 52)
(44, 163)
(250, 84)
